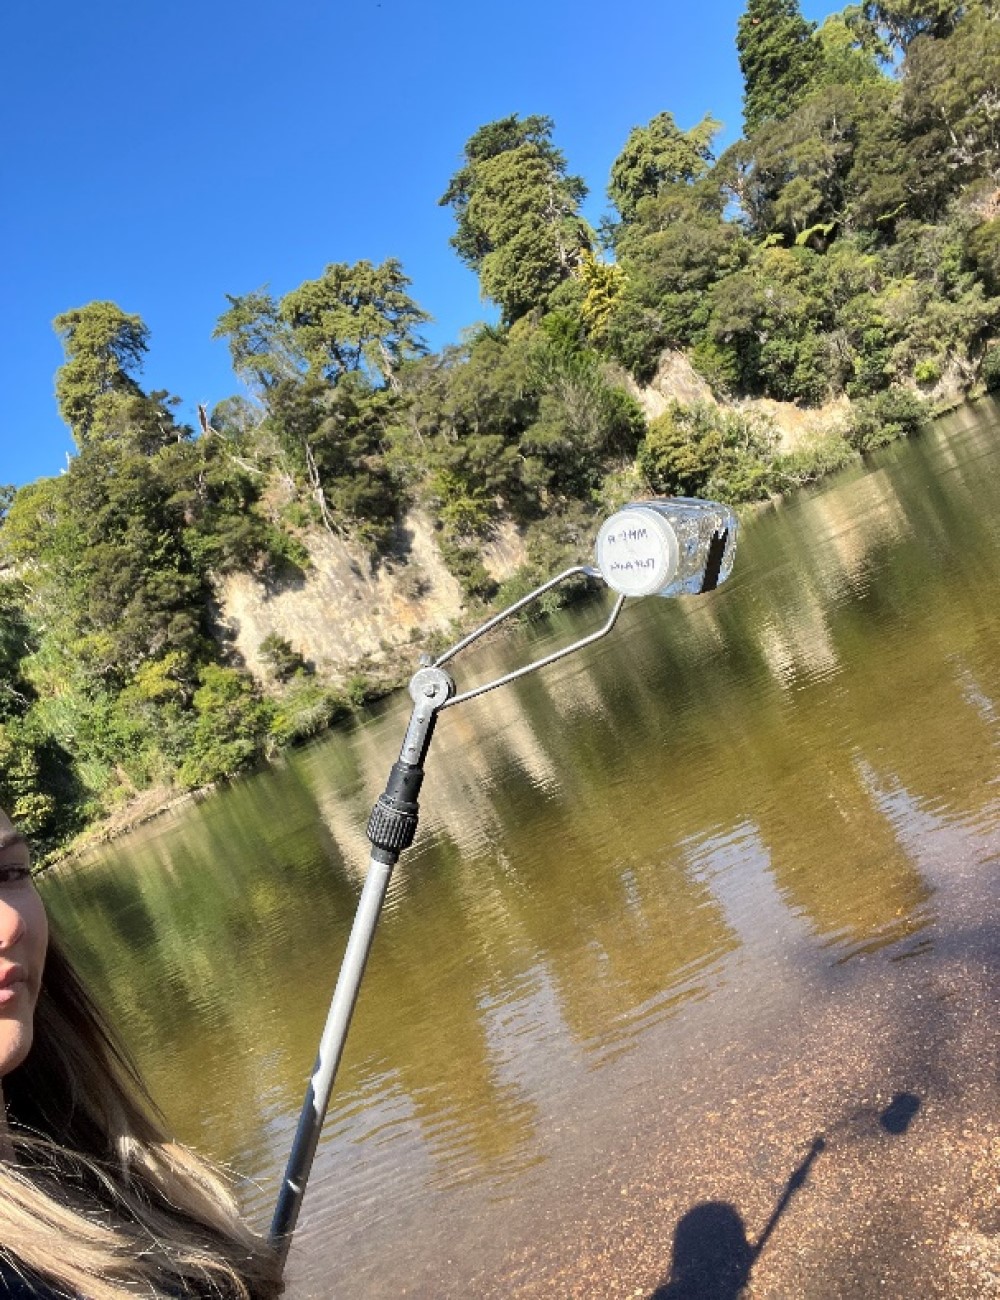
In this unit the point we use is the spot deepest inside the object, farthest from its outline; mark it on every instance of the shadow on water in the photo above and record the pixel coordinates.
(712, 1255)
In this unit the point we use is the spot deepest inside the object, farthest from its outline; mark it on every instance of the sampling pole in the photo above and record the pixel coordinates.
(668, 547)
(391, 828)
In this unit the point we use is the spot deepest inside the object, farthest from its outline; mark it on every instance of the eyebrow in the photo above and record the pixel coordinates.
(8, 839)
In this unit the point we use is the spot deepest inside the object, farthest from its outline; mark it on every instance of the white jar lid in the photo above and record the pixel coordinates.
(637, 551)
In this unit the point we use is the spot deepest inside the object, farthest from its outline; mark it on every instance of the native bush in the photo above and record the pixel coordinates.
(990, 370)
(305, 708)
(232, 721)
(281, 657)
(877, 420)
(681, 449)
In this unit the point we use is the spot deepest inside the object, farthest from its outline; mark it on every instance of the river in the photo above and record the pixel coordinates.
(688, 915)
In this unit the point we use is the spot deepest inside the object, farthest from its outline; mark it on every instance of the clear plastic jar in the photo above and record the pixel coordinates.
(670, 546)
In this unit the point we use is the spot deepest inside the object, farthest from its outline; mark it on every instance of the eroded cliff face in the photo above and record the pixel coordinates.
(343, 610)
(676, 380)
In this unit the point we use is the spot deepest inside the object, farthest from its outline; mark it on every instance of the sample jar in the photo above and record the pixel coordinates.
(670, 546)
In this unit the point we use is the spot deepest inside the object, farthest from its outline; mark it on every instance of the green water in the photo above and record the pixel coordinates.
(664, 845)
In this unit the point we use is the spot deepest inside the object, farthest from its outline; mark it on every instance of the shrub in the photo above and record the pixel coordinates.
(718, 364)
(465, 564)
(635, 336)
(809, 462)
(990, 370)
(681, 449)
(877, 420)
(232, 721)
(984, 247)
(281, 657)
(744, 471)
(21, 792)
(702, 450)
(305, 708)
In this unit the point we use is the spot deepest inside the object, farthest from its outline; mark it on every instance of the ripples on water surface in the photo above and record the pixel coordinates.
(657, 851)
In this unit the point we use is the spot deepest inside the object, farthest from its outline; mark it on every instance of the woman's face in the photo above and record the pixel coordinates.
(24, 935)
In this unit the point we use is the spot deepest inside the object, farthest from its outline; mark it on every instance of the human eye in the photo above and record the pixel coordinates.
(15, 861)
(13, 873)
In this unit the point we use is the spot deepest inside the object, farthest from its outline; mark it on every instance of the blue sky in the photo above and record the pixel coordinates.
(163, 155)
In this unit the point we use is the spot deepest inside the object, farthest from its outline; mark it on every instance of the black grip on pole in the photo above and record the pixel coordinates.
(393, 822)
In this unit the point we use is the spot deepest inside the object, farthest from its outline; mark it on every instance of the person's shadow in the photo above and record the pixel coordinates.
(712, 1257)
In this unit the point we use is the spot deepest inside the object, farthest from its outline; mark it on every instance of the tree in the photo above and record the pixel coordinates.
(487, 143)
(799, 165)
(15, 643)
(517, 213)
(104, 347)
(658, 155)
(325, 365)
(680, 451)
(851, 49)
(35, 784)
(675, 248)
(984, 249)
(951, 102)
(885, 183)
(355, 317)
(231, 725)
(604, 283)
(457, 435)
(901, 21)
(260, 341)
(584, 421)
(767, 324)
(779, 59)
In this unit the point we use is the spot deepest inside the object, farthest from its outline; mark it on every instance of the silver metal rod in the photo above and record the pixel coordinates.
(512, 609)
(539, 663)
(390, 829)
(331, 1048)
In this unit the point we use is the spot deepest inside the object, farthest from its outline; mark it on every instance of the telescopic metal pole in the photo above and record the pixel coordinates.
(391, 829)
(664, 547)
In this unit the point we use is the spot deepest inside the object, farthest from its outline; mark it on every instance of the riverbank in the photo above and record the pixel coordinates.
(376, 680)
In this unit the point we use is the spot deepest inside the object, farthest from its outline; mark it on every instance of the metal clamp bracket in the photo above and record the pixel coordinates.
(518, 605)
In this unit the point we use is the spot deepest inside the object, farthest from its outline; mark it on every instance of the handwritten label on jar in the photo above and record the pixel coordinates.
(636, 552)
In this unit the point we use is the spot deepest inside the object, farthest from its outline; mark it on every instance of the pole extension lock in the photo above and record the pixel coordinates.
(393, 821)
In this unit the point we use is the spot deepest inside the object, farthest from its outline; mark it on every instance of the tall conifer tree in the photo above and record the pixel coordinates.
(517, 212)
(778, 58)
(104, 347)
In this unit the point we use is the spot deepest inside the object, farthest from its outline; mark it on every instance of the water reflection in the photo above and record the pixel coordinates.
(603, 847)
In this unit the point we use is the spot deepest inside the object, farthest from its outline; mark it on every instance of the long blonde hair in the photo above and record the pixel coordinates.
(98, 1201)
